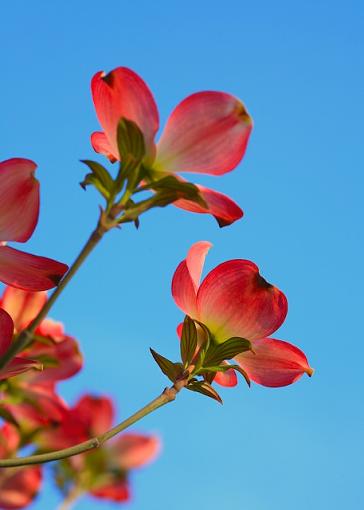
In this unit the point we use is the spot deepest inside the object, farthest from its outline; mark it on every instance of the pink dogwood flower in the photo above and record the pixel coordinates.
(18, 364)
(234, 300)
(206, 133)
(19, 486)
(19, 211)
(102, 473)
(52, 348)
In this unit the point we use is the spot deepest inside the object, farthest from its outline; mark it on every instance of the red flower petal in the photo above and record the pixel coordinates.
(101, 145)
(6, 331)
(225, 210)
(29, 272)
(187, 276)
(228, 378)
(90, 417)
(19, 199)
(9, 440)
(135, 450)
(97, 413)
(66, 355)
(275, 363)
(122, 93)
(179, 330)
(51, 329)
(207, 133)
(18, 366)
(18, 487)
(70, 430)
(40, 406)
(117, 491)
(22, 305)
(234, 300)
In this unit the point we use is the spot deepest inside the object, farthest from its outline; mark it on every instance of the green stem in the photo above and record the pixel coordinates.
(168, 395)
(26, 335)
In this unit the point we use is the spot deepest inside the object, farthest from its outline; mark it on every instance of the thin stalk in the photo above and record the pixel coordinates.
(168, 395)
(26, 335)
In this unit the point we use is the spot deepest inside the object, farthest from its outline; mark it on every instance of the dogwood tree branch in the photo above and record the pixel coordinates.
(168, 395)
(105, 223)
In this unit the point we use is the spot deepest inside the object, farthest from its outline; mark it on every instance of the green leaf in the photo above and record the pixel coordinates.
(170, 369)
(210, 372)
(137, 209)
(120, 180)
(206, 389)
(130, 141)
(188, 340)
(134, 173)
(129, 205)
(132, 151)
(101, 173)
(242, 372)
(91, 179)
(214, 369)
(208, 376)
(99, 178)
(227, 350)
(158, 200)
(48, 361)
(180, 189)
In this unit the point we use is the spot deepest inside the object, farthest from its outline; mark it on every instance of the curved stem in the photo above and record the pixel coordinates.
(26, 335)
(168, 395)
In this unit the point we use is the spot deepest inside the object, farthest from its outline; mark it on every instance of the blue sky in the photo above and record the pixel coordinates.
(298, 66)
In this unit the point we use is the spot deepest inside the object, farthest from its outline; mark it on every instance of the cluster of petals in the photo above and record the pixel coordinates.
(234, 300)
(19, 211)
(40, 413)
(206, 133)
(18, 364)
(18, 487)
(52, 350)
(91, 416)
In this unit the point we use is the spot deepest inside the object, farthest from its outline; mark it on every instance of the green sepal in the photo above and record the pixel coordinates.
(47, 361)
(217, 353)
(200, 356)
(238, 368)
(209, 372)
(188, 340)
(135, 210)
(179, 189)
(129, 205)
(120, 180)
(99, 177)
(164, 195)
(161, 199)
(172, 370)
(130, 141)
(131, 147)
(134, 173)
(206, 389)
(208, 375)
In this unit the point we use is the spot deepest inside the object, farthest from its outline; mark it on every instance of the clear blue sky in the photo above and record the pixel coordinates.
(298, 66)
